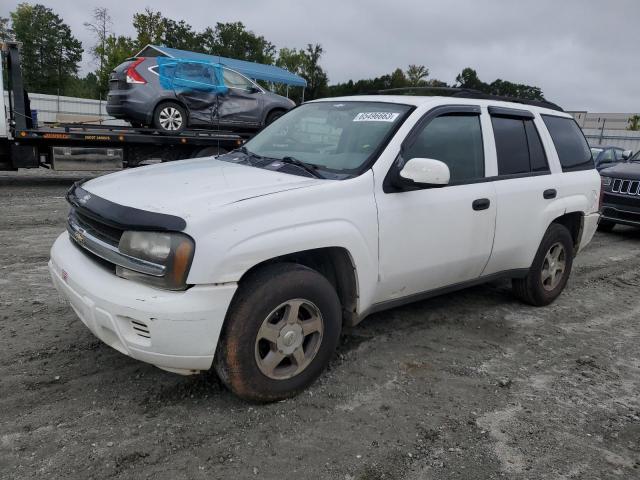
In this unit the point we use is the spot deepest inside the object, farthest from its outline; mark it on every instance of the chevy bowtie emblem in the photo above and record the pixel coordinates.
(78, 236)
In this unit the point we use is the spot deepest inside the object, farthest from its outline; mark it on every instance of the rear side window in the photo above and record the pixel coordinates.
(573, 150)
(518, 146)
(454, 139)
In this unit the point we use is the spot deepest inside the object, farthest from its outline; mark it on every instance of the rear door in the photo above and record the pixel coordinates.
(195, 84)
(527, 189)
(242, 104)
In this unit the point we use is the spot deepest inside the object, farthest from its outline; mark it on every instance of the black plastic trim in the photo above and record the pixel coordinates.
(510, 112)
(120, 216)
(396, 302)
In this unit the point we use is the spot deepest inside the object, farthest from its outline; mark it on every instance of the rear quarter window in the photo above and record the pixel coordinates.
(572, 148)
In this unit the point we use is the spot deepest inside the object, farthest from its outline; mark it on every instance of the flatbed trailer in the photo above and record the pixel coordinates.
(81, 146)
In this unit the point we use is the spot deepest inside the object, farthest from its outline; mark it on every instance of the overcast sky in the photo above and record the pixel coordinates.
(584, 54)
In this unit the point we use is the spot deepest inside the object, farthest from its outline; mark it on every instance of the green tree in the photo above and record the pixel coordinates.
(633, 123)
(235, 41)
(50, 53)
(86, 87)
(116, 50)
(180, 35)
(293, 60)
(312, 72)
(468, 78)
(101, 29)
(416, 75)
(149, 26)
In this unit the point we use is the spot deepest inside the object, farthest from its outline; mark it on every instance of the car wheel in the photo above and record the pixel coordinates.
(550, 270)
(273, 116)
(170, 117)
(606, 225)
(281, 330)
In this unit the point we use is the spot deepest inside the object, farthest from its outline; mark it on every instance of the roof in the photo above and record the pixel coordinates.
(419, 100)
(257, 71)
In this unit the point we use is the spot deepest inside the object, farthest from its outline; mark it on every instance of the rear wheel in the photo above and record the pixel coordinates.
(606, 225)
(170, 117)
(550, 270)
(280, 332)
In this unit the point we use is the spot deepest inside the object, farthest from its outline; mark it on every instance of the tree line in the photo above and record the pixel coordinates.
(51, 55)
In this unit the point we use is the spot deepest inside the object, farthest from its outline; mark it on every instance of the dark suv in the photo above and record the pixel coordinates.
(189, 95)
(621, 202)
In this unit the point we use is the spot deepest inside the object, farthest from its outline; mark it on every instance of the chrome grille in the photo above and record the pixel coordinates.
(626, 187)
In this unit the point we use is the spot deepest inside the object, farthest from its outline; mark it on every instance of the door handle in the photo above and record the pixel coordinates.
(550, 193)
(481, 204)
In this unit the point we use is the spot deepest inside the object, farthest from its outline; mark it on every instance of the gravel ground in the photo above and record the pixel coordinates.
(468, 385)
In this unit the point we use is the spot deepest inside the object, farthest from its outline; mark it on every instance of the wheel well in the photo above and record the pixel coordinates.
(573, 222)
(335, 264)
(275, 109)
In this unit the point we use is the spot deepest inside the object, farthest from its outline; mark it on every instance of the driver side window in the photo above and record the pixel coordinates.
(455, 139)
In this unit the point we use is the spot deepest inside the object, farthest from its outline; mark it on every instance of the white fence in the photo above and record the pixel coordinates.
(54, 108)
(627, 139)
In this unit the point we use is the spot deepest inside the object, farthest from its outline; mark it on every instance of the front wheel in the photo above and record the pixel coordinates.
(281, 330)
(550, 269)
(170, 117)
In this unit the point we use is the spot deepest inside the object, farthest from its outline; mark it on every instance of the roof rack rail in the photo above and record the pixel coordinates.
(465, 93)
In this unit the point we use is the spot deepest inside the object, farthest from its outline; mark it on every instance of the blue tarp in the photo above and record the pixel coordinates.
(187, 75)
(258, 71)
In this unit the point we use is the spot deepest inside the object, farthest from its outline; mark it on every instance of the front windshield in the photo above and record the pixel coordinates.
(336, 136)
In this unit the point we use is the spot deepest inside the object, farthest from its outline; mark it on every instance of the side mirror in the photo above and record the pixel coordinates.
(254, 89)
(426, 172)
(626, 155)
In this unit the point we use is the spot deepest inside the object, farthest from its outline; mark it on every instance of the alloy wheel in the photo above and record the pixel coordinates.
(288, 339)
(170, 118)
(553, 267)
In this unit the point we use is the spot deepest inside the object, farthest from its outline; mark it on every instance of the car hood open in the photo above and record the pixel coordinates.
(188, 188)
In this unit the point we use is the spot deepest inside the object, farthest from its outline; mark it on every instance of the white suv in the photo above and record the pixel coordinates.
(252, 261)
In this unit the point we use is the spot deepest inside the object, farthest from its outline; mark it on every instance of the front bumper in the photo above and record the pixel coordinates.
(176, 331)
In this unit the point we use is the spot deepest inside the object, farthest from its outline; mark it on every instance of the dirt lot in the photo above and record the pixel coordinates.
(469, 385)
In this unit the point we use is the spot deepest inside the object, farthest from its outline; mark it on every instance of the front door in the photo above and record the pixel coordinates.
(197, 86)
(242, 104)
(437, 237)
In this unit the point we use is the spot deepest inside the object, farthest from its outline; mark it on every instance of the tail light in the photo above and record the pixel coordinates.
(132, 74)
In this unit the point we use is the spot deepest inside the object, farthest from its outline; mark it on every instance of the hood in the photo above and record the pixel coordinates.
(629, 171)
(187, 187)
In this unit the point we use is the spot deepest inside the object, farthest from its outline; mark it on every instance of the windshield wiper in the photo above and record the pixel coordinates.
(307, 167)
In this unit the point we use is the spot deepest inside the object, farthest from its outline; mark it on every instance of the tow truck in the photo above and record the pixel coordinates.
(82, 146)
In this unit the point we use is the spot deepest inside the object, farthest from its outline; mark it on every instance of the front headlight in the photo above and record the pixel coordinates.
(606, 181)
(173, 251)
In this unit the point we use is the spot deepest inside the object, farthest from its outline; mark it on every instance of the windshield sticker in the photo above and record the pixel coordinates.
(376, 117)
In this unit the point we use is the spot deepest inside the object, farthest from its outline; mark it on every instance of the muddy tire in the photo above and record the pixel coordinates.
(550, 270)
(170, 117)
(605, 226)
(280, 332)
